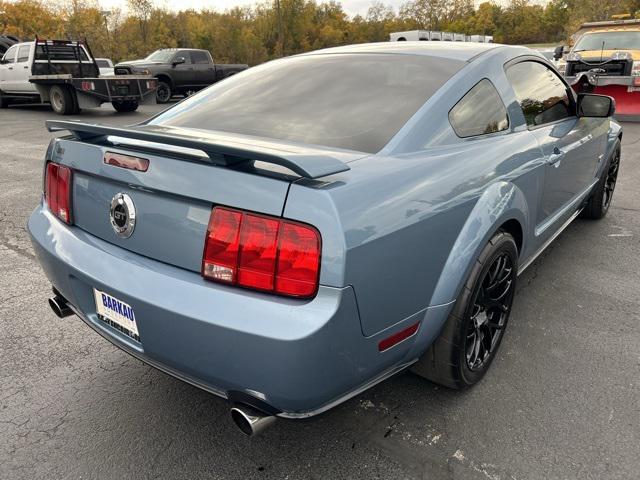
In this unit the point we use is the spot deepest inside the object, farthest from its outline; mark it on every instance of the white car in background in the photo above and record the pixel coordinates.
(105, 65)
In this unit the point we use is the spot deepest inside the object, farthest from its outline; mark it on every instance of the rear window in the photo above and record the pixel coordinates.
(102, 64)
(351, 101)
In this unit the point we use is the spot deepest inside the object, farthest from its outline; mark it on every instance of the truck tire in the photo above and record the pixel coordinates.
(61, 99)
(467, 345)
(4, 101)
(126, 106)
(163, 93)
(76, 105)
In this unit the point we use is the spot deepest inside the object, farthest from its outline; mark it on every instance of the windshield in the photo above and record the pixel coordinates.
(612, 41)
(162, 56)
(350, 101)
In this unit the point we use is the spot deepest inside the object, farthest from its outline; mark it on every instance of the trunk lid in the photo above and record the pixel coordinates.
(174, 197)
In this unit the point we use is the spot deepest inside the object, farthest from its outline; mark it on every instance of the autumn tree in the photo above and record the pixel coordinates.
(274, 28)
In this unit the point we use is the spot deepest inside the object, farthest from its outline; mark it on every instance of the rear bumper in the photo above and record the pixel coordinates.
(298, 357)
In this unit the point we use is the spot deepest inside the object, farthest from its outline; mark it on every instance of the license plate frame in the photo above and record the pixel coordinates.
(116, 313)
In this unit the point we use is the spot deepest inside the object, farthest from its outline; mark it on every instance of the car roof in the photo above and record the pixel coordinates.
(460, 51)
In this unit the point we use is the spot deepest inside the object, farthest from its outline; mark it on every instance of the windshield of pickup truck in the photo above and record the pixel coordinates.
(351, 101)
(621, 40)
(161, 56)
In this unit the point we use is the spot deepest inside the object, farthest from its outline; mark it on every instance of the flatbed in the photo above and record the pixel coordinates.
(65, 74)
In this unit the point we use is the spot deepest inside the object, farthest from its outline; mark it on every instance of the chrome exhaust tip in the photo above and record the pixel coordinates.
(250, 421)
(60, 306)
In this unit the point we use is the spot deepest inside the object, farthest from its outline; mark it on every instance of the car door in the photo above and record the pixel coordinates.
(205, 73)
(22, 70)
(7, 70)
(571, 145)
(183, 72)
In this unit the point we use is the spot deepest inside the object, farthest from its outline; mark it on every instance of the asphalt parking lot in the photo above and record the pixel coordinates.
(562, 400)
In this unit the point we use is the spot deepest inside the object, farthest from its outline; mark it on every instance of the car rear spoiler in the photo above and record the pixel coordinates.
(222, 148)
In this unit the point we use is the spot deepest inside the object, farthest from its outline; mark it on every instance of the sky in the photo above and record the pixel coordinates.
(352, 7)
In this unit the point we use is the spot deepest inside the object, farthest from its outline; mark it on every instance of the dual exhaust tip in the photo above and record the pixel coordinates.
(60, 306)
(251, 422)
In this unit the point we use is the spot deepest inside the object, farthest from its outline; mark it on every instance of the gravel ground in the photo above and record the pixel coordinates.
(562, 400)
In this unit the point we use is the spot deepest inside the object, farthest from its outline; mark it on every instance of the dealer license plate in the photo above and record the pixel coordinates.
(117, 313)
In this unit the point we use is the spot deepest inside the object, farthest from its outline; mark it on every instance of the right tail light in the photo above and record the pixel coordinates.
(261, 252)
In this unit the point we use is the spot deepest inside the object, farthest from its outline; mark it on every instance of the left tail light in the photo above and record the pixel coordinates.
(57, 190)
(261, 252)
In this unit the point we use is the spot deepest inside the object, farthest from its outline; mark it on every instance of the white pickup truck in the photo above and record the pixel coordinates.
(65, 74)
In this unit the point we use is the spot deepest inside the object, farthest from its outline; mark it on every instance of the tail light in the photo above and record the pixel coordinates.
(57, 191)
(262, 252)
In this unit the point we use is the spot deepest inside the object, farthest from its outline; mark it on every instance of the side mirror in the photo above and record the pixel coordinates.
(597, 106)
(178, 61)
(558, 52)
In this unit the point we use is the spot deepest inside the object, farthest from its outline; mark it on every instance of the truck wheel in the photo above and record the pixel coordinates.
(126, 106)
(600, 200)
(4, 101)
(61, 99)
(163, 93)
(467, 345)
(76, 104)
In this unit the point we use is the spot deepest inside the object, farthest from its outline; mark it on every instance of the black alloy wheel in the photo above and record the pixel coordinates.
(610, 180)
(489, 312)
(600, 199)
(472, 333)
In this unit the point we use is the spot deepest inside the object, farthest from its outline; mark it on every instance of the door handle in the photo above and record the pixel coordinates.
(556, 156)
(10, 68)
(26, 66)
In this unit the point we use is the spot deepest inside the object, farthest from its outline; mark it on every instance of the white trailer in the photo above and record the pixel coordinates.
(435, 36)
(410, 36)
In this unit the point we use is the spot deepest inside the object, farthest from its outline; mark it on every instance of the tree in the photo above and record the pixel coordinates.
(284, 27)
(142, 10)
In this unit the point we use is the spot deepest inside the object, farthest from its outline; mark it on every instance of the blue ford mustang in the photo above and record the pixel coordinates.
(303, 230)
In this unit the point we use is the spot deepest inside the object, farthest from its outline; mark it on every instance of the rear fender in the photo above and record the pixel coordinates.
(501, 202)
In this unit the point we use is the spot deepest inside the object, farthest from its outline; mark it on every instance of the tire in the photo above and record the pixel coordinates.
(163, 93)
(61, 99)
(454, 359)
(4, 101)
(76, 104)
(600, 200)
(126, 106)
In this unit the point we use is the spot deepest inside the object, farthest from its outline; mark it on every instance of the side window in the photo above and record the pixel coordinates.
(199, 57)
(542, 95)
(23, 53)
(479, 112)
(10, 55)
(185, 55)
